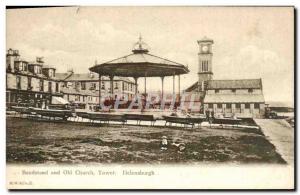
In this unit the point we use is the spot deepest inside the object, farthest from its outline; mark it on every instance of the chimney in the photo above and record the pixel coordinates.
(39, 60)
(92, 75)
(16, 52)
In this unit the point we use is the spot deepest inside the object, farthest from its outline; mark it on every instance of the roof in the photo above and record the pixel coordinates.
(205, 39)
(48, 67)
(193, 87)
(21, 60)
(73, 91)
(142, 58)
(280, 104)
(62, 76)
(87, 77)
(235, 84)
(138, 63)
(35, 64)
(234, 98)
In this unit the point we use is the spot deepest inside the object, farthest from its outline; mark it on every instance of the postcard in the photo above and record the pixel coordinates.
(150, 97)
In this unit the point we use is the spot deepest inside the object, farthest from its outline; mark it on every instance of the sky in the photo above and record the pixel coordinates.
(249, 42)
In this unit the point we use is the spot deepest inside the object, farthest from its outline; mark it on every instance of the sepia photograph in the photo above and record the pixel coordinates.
(143, 97)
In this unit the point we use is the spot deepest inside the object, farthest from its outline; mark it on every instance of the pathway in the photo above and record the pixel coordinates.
(281, 135)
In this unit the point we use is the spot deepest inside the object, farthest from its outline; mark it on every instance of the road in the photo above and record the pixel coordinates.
(280, 134)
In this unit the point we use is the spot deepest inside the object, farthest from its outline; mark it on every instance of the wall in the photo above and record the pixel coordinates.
(237, 91)
(239, 112)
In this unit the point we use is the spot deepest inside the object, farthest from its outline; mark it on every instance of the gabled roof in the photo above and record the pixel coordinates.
(194, 87)
(235, 84)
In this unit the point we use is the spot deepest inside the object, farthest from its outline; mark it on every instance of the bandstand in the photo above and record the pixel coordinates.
(140, 64)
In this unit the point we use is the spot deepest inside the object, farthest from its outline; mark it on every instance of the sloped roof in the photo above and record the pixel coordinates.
(193, 87)
(48, 67)
(234, 98)
(143, 58)
(138, 64)
(87, 77)
(62, 76)
(205, 39)
(235, 84)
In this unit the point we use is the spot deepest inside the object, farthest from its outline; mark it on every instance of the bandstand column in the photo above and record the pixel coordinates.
(145, 90)
(162, 87)
(179, 86)
(100, 90)
(173, 85)
(136, 86)
(111, 77)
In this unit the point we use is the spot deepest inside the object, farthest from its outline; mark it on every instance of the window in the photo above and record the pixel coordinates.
(219, 105)
(51, 73)
(210, 106)
(25, 66)
(228, 106)
(77, 98)
(116, 85)
(83, 85)
(247, 106)
(50, 87)
(125, 86)
(29, 83)
(20, 66)
(18, 82)
(238, 106)
(77, 85)
(217, 90)
(233, 90)
(256, 106)
(204, 66)
(57, 87)
(93, 86)
(250, 90)
(41, 85)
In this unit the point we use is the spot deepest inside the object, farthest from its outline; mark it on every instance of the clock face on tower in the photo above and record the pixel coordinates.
(205, 48)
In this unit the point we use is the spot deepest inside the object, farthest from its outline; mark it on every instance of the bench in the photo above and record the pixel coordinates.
(64, 114)
(140, 117)
(83, 115)
(107, 117)
(23, 110)
(178, 120)
(226, 121)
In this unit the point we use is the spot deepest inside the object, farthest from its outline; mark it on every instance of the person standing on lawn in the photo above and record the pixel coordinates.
(164, 143)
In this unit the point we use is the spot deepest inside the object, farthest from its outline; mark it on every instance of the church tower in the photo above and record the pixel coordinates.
(205, 62)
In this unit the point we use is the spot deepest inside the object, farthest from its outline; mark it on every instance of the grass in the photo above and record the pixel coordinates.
(69, 143)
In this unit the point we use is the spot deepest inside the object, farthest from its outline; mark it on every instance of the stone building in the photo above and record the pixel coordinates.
(30, 83)
(83, 89)
(243, 97)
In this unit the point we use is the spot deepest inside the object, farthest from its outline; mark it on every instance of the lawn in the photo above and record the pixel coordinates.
(31, 141)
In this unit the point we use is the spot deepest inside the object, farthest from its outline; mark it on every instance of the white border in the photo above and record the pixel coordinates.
(3, 3)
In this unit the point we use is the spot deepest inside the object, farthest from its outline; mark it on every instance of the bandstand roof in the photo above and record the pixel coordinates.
(140, 64)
